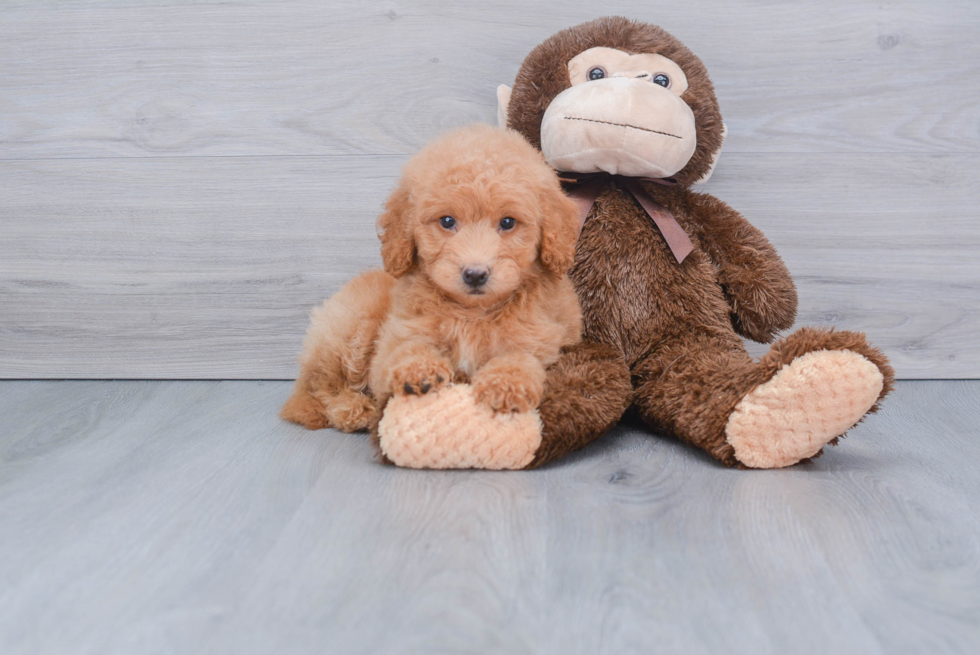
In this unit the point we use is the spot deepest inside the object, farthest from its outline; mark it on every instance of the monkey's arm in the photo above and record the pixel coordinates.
(757, 284)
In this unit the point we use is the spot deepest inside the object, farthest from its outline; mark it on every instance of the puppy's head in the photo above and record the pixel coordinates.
(478, 212)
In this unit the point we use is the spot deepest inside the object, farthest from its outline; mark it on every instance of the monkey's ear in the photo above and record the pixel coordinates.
(714, 157)
(560, 226)
(395, 232)
(503, 103)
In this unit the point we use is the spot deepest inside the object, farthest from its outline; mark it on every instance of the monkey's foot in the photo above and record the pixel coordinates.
(806, 404)
(448, 429)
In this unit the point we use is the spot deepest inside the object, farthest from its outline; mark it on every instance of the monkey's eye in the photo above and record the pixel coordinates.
(447, 222)
(596, 73)
(507, 223)
(661, 79)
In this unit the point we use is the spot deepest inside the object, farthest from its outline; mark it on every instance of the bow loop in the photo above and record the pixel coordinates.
(586, 187)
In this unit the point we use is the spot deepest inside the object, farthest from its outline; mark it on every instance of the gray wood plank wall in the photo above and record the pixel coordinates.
(180, 182)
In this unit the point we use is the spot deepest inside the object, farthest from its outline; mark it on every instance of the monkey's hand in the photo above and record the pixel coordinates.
(759, 288)
(759, 309)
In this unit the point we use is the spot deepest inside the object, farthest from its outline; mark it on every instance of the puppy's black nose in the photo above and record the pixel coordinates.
(476, 276)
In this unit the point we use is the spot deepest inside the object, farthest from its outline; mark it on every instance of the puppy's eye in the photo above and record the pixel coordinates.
(661, 79)
(447, 222)
(507, 223)
(596, 73)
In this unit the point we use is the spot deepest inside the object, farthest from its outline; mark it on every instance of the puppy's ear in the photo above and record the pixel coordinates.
(560, 227)
(395, 232)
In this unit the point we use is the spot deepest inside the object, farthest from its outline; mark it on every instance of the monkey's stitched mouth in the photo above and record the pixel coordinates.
(632, 127)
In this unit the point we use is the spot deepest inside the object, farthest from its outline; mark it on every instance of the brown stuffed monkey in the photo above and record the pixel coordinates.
(669, 279)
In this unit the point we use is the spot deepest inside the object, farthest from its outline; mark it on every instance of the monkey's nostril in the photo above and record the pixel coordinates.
(476, 276)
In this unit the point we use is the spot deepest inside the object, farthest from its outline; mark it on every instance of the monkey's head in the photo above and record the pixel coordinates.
(617, 96)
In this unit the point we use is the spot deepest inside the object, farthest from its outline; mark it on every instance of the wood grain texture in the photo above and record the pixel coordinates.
(207, 267)
(182, 181)
(132, 78)
(161, 517)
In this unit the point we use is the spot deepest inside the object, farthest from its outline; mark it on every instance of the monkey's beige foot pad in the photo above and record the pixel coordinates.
(448, 429)
(810, 401)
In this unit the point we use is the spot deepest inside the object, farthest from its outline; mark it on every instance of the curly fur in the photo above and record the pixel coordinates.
(417, 326)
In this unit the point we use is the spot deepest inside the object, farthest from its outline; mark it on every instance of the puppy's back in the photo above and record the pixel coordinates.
(331, 388)
(340, 341)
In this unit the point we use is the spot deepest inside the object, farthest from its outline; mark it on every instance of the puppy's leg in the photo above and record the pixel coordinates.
(331, 390)
(412, 367)
(510, 383)
(346, 409)
(349, 410)
(304, 408)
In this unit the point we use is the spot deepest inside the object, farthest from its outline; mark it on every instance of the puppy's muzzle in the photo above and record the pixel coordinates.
(475, 276)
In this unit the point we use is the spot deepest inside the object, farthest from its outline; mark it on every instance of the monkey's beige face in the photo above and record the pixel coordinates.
(622, 115)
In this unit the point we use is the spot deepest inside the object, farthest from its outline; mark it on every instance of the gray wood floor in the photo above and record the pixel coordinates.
(181, 517)
(182, 181)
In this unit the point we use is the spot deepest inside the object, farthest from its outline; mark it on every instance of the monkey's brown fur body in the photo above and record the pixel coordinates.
(676, 326)
(671, 328)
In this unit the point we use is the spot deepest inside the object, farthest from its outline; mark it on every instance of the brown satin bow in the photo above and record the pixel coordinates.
(586, 187)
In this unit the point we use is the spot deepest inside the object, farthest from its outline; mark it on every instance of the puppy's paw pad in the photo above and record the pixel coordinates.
(419, 376)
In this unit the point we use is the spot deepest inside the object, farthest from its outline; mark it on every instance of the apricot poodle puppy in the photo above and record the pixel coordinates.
(476, 241)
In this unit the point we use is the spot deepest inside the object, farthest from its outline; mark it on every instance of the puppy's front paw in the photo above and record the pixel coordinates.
(508, 391)
(419, 375)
